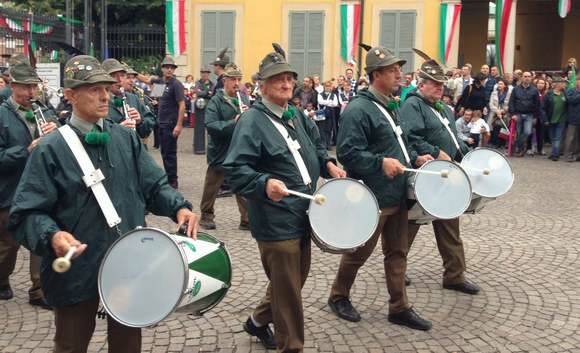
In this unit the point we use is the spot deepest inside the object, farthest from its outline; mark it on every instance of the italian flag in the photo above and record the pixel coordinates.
(503, 11)
(26, 26)
(175, 26)
(349, 30)
(447, 29)
(564, 7)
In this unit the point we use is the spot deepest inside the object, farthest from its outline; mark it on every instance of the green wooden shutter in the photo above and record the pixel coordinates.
(217, 32)
(306, 34)
(397, 33)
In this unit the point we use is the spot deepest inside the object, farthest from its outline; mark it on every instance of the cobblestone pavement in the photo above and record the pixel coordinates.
(522, 249)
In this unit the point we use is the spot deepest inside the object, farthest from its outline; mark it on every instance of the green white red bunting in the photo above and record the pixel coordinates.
(503, 10)
(448, 29)
(24, 26)
(175, 26)
(564, 7)
(349, 30)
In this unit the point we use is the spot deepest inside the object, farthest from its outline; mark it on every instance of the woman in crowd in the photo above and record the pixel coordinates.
(498, 111)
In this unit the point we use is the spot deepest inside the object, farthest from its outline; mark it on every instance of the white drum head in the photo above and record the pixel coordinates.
(443, 198)
(349, 216)
(500, 178)
(142, 277)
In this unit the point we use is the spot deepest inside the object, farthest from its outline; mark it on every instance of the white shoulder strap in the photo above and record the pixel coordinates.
(92, 177)
(445, 123)
(293, 146)
(398, 131)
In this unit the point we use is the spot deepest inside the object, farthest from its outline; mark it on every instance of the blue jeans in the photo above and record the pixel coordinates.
(524, 128)
(556, 131)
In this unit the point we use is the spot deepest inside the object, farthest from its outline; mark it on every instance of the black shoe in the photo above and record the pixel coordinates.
(264, 334)
(244, 226)
(6, 293)
(344, 309)
(207, 224)
(410, 319)
(41, 303)
(464, 287)
(407, 281)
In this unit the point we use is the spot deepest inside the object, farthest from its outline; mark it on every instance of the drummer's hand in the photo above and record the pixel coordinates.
(443, 156)
(392, 167)
(335, 171)
(48, 128)
(185, 215)
(423, 159)
(276, 190)
(62, 241)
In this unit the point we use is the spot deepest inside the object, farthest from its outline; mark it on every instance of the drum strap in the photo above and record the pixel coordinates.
(92, 177)
(445, 123)
(398, 131)
(293, 146)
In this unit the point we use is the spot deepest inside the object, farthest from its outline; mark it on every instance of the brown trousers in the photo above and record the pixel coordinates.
(75, 325)
(286, 264)
(450, 247)
(214, 178)
(8, 254)
(392, 230)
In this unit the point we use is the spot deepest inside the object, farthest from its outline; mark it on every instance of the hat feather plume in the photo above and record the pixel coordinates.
(426, 57)
(223, 52)
(365, 46)
(278, 48)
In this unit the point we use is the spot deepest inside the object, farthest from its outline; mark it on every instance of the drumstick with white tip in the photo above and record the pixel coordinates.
(318, 198)
(444, 173)
(62, 264)
(485, 171)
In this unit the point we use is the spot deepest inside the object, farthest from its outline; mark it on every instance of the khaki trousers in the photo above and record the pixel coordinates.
(214, 178)
(392, 230)
(75, 325)
(8, 254)
(286, 264)
(450, 247)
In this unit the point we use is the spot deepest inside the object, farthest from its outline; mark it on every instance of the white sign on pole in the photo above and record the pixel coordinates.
(50, 74)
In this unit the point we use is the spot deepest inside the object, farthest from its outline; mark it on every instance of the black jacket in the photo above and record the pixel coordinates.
(525, 100)
(473, 97)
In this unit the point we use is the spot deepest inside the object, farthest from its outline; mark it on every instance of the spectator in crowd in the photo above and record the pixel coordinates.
(307, 93)
(517, 77)
(524, 104)
(340, 80)
(318, 87)
(494, 72)
(2, 82)
(489, 82)
(498, 110)
(479, 131)
(473, 96)
(448, 100)
(327, 101)
(571, 66)
(458, 85)
(555, 108)
(462, 127)
(362, 83)
(405, 87)
(189, 82)
(573, 132)
(345, 96)
(350, 79)
(310, 111)
(541, 121)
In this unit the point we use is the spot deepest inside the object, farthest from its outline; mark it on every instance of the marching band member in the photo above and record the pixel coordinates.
(19, 135)
(54, 209)
(372, 148)
(424, 120)
(275, 147)
(203, 89)
(219, 65)
(222, 114)
(140, 117)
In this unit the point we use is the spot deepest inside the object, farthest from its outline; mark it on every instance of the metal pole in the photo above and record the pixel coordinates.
(104, 30)
(68, 16)
(360, 38)
(87, 26)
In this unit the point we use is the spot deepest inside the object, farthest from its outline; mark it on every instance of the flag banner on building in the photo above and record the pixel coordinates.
(349, 30)
(25, 26)
(564, 7)
(175, 26)
(448, 29)
(503, 10)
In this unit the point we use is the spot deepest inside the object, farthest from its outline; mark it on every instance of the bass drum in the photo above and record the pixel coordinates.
(148, 274)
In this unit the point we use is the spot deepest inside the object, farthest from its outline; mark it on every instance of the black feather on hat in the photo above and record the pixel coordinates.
(366, 47)
(278, 48)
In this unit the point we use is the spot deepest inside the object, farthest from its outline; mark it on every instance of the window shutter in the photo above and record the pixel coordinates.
(407, 38)
(315, 43)
(297, 50)
(306, 47)
(217, 32)
(388, 36)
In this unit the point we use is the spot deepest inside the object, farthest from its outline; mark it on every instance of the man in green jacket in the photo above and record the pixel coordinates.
(19, 135)
(53, 208)
(221, 116)
(261, 167)
(423, 118)
(372, 148)
(140, 117)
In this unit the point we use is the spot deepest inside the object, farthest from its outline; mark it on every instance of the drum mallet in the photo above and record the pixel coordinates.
(485, 171)
(62, 264)
(444, 173)
(318, 198)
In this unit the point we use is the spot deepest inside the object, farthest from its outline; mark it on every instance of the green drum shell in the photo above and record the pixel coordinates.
(206, 265)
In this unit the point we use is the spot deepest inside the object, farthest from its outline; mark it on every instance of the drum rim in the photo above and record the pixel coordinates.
(185, 279)
(466, 177)
(324, 246)
(508, 162)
